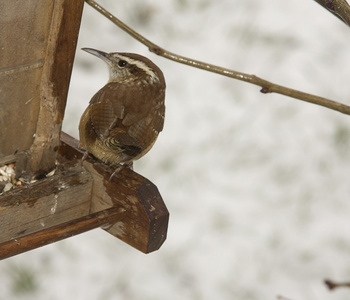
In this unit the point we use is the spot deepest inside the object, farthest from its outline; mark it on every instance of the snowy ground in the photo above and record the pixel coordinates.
(257, 185)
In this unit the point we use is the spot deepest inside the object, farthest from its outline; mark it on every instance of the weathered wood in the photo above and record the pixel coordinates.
(78, 189)
(38, 41)
(21, 62)
(45, 203)
(146, 222)
(60, 232)
(55, 79)
(37, 46)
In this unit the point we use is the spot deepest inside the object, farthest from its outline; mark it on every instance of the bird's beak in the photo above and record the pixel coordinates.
(98, 53)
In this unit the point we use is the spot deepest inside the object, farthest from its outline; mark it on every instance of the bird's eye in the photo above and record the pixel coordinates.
(122, 63)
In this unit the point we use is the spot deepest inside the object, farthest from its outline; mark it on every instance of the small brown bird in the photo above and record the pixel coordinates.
(124, 118)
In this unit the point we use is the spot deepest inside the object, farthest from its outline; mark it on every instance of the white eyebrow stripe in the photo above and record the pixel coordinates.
(142, 66)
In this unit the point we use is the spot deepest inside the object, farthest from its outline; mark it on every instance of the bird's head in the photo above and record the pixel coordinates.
(129, 67)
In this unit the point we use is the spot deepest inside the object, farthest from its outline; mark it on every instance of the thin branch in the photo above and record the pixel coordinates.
(279, 297)
(267, 87)
(333, 285)
(339, 8)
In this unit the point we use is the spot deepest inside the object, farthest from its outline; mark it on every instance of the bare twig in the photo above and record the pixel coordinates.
(333, 285)
(340, 8)
(279, 297)
(266, 86)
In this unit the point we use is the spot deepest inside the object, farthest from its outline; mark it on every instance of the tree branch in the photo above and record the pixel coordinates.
(333, 285)
(266, 86)
(339, 8)
(279, 297)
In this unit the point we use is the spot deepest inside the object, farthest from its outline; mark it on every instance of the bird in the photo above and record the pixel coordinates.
(123, 119)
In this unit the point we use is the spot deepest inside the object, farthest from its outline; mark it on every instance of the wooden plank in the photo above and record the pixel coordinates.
(77, 190)
(24, 29)
(54, 85)
(48, 202)
(37, 47)
(60, 232)
(146, 222)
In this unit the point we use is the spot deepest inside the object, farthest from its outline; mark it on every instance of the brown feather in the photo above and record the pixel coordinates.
(124, 118)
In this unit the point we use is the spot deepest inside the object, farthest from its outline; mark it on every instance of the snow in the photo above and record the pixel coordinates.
(257, 185)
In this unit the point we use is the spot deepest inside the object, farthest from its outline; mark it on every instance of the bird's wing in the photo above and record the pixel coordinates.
(122, 119)
(151, 100)
(106, 109)
(121, 141)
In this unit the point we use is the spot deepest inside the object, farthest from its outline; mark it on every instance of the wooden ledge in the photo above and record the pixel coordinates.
(80, 197)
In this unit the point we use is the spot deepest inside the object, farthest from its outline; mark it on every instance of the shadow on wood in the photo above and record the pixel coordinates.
(80, 197)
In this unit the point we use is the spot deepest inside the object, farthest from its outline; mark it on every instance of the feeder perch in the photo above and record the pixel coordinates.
(69, 196)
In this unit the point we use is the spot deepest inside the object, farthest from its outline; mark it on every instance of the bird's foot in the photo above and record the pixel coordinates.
(120, 167)
(129, 165)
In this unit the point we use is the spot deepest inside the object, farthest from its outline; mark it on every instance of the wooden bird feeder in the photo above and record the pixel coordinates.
(37, 46)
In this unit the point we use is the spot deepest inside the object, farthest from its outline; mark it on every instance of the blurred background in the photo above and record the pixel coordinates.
(257, 185)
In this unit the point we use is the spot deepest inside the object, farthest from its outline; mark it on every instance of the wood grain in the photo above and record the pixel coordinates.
(66, 204)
